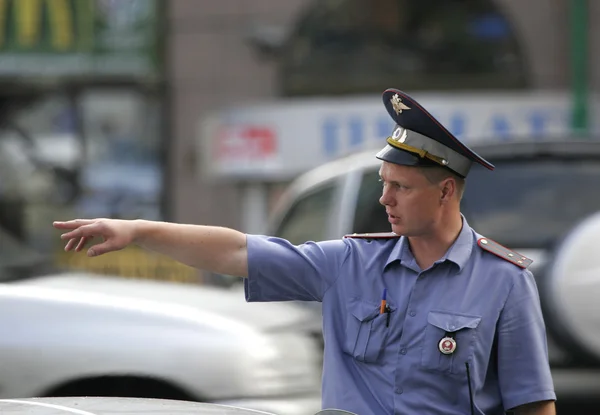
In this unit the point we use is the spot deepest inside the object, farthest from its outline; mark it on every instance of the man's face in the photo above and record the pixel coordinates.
(411, 201)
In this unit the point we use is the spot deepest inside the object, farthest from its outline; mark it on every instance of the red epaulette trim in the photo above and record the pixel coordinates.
(504, 253)
(376, 235)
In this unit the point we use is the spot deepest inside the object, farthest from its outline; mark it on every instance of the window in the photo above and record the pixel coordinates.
(122, 177)
(308, 219)
(91, 152)
(39, 154)
(550, 198)
(356, 46)
(370, 215)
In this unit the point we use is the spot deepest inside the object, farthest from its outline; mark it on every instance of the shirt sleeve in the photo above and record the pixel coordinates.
(523, 366)
(281, 271)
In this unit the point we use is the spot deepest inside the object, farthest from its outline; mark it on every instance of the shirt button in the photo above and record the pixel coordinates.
(403, 351)
(412, 313)
(398, 391)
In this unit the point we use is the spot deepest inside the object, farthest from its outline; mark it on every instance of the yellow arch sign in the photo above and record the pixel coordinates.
(131, 262)
(52, 25)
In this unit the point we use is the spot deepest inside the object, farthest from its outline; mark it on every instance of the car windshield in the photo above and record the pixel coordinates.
(531, 204)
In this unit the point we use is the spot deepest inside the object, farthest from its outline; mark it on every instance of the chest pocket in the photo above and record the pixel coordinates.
(462, 328)
(366, 330)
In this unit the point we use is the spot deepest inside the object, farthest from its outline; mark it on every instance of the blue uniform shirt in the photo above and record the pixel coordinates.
(489, 306)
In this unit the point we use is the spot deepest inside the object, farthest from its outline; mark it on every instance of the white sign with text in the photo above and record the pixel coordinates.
(278, 140)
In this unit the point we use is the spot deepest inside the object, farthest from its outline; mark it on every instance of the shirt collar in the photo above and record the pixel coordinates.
(461, 249)
(459, 252)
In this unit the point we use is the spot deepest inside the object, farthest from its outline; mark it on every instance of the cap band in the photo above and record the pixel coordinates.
(425, 147)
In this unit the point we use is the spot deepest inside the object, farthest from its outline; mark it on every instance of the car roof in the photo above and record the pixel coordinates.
(495, 151)
(576, 147)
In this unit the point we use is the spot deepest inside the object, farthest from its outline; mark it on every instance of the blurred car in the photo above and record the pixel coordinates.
(125, 406)
(115, 406)
(541, 201)
(79, 334)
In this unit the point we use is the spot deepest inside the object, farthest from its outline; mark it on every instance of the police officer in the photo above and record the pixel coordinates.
(431, 318)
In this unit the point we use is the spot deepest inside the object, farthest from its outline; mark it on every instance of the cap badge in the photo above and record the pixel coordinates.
(447, 345)
(399, 134)
(397, 104)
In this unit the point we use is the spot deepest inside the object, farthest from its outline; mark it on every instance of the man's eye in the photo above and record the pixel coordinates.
(395, 185)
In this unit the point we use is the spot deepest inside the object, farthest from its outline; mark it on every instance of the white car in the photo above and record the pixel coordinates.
(89, 335)
(118, 406)
(123, 406)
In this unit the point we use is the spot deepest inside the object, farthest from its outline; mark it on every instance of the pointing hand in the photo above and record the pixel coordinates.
(116, 234)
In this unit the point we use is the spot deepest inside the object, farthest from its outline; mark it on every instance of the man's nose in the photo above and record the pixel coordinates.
(386, 199)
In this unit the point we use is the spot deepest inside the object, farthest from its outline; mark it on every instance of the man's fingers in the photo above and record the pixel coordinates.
(73, 224)
(75, 234)
(89, 231)
(70, 244)
(81, 231)
(95, 250)
(81, 244)
(102, 248)
(78, 244)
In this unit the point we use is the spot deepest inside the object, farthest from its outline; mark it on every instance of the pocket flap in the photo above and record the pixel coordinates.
(452, 322)
(365, 310)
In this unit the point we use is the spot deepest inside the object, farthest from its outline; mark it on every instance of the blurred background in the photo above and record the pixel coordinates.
(205, 112)
(202, 112)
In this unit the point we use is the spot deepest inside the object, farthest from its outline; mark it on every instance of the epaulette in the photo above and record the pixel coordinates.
(504, 253)
(376, 235)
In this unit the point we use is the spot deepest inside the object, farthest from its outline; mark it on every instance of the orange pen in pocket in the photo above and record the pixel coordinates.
(383, 301)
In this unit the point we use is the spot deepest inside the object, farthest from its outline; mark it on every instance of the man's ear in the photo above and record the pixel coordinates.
(448, 188)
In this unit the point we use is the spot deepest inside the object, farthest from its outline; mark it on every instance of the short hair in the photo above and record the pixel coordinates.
(435, 175)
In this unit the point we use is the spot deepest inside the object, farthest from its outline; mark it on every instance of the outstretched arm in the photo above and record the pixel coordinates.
(211, 248)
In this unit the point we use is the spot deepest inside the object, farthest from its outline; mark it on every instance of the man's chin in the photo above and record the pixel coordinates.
(398, 230)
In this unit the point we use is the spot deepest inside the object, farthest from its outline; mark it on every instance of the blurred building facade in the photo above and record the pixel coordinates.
(80, 112)
(233, 52)
(102, 100)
